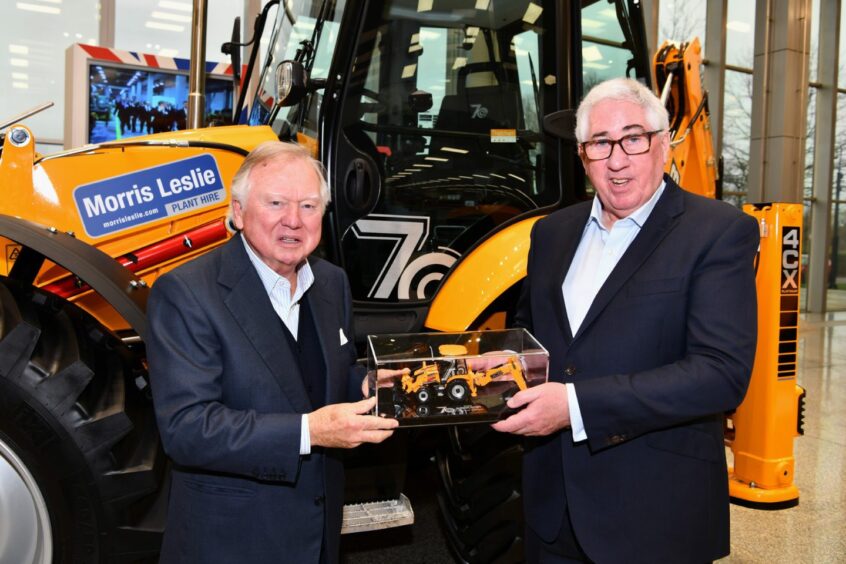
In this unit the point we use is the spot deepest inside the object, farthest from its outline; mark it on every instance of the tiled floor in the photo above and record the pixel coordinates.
(815, 530)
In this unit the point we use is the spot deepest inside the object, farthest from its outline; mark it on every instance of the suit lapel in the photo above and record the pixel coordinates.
(250, 305)
(326, 326)
(660, 222)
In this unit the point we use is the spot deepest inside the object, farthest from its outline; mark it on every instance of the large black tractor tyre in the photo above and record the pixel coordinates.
(80, 458)
(480, 495)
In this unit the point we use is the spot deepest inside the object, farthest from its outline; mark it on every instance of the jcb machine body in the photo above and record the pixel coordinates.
(458, 381)
(428, 119)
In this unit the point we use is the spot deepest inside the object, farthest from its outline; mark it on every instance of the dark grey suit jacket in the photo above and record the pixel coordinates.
(666, 347)
(229, 398)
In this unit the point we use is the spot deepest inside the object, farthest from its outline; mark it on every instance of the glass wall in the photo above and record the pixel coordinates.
(163, 27)
(680, 21)
(32, 65)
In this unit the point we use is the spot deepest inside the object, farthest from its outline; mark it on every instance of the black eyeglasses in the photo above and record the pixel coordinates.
(634, 144)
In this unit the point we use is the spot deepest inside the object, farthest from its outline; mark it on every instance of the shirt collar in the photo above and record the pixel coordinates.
(270, 278)
(638, 217)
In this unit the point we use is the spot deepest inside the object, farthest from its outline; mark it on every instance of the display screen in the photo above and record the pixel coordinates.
(127, 102)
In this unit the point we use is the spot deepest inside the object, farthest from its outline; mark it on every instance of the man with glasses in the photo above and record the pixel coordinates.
(645, 299)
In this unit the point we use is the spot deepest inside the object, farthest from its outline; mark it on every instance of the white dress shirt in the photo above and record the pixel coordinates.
(287, 307)
(599, 251)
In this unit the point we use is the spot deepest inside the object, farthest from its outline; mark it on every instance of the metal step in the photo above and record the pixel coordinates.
(377, 515)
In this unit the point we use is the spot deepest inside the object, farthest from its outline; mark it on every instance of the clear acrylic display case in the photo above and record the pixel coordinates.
(450, 378)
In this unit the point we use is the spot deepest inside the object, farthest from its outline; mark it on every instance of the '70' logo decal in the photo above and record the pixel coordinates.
(399, 270)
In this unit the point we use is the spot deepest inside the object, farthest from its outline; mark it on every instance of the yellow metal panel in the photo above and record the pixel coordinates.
(44, 192)
(767, 421)
(481, 277)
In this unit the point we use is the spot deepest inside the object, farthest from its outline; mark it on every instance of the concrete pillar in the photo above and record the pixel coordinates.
(107, 23)
(715, 67)
(650, 21)
(824, 155)
(779, 100)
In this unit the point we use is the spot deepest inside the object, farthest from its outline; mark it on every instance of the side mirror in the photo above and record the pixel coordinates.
(420, 101)
(561, 124)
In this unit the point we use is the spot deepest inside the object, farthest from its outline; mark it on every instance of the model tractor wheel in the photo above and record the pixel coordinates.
(458, 391)
(80, 462)
(424, 395)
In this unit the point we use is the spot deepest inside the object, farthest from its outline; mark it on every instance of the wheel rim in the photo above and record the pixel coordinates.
(457, 392)
(26, 535)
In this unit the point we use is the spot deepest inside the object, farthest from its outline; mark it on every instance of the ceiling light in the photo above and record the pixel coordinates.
(741, 27)
(21, 85)
(588, 23)
(482, 4)
(591, 53)
(179, 6)
(171, 17)
(424, 5)
(37, 8)
(454, 150)
(533, 12)
(409, 70)
(168, 52)
(164, 26)
(437, 159)
(18, 49)
(20, 76)
(19, 62)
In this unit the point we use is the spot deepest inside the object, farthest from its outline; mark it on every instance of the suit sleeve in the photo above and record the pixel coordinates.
(713, 374)
(523, 314)
(185, 355)
(357, 371)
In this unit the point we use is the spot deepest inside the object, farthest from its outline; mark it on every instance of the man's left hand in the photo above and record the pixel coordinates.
(545, 411)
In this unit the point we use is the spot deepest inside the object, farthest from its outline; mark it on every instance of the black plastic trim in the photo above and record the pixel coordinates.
(117, 285)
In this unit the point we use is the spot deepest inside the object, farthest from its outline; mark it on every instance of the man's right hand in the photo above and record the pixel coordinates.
(344, 425)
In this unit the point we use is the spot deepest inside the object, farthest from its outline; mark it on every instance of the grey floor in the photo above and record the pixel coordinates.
(815, 530)
(812, 532)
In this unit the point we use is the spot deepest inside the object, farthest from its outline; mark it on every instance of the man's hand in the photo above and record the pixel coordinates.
(344, 425)
(489, 360)
(385, 378)
(546, 411)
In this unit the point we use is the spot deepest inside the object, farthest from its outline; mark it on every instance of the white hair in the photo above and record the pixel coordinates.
(268, 151)
(625, 90)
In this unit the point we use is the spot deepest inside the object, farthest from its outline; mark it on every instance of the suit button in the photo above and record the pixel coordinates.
(318, 500)
(570, 370)
(617, 439)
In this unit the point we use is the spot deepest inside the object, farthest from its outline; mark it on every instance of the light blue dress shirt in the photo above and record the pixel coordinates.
(287, 307)
(599, 251)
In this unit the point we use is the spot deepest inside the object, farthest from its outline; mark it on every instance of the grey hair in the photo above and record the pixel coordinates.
(626, 90)
(268, 151)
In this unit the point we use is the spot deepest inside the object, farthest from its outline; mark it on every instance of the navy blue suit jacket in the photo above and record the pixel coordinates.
(228, 398)
(665, 349)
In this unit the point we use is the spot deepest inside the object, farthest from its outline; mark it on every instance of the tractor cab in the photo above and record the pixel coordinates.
(428, 117)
